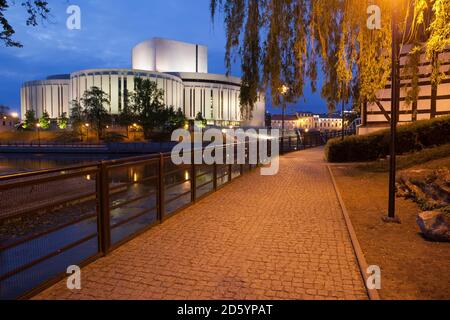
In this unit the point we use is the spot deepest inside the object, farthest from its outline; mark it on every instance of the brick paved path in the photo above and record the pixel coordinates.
(280, 237)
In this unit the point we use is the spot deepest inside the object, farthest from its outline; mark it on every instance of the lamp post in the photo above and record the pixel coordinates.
(135, 126)
(87, 125)
(284, 90)
(38, 126)
(395, 106)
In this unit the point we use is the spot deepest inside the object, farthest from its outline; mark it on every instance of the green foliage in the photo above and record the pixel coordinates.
(94, 101)
(127, 116)
(199, 118)
(176, 119)
(147, 101)
(30, 120)
(114, 137)
(45, 121)
(63, 121)
(35, 9)
(77, 116)
(286, 40)
(413, 137)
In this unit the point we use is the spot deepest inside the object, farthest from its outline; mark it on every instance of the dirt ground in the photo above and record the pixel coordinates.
(412, 268)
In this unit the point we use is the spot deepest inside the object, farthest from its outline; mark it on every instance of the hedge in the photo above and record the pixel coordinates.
(412, 137)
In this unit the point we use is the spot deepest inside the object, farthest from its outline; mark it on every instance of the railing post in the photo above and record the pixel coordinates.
(257, 153)
(161, 189)
(104, 230)
(215, 176)
(242, 165)
(290, 143)
(193, 176)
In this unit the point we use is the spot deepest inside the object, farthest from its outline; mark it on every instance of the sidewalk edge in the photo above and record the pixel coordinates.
(362, 263)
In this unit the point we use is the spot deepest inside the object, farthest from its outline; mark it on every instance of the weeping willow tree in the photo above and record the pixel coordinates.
(285, 42)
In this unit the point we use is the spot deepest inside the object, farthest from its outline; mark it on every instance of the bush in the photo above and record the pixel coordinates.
(412, 137)
(111, 137)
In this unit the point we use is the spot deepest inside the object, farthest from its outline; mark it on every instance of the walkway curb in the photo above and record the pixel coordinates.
(362, 263)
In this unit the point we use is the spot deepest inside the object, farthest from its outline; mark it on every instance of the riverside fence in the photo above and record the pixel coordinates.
(53, 219)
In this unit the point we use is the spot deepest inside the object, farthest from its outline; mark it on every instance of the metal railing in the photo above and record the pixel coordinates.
(50, 144)
(53, 219)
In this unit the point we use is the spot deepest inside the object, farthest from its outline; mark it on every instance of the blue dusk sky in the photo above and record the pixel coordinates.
(109, 30)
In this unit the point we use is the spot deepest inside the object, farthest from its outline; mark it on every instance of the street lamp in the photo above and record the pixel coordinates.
(38, 126)
(395, 106)
(283, 90)
(87, 125)
(135, 126)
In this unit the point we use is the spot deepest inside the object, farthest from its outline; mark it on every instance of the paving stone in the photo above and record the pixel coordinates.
(276, 237)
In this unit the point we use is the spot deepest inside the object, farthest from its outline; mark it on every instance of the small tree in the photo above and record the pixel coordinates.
(127, 117)
(45, 121)
(148, 106)
(176, 119)
(93, 102)
(30, 120)
(77, 117)
(203, 121)
(63, 121)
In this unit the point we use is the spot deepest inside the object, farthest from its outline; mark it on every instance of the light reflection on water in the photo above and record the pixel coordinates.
(17, 163)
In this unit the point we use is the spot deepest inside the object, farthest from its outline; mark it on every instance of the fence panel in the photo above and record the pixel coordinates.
(47, 224)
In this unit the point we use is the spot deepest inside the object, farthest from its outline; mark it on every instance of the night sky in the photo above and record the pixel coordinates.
(109, 30)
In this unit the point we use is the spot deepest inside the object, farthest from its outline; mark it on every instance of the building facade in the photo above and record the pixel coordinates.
(51, 95)
(433, 101)
(307, 122)
(178, 68)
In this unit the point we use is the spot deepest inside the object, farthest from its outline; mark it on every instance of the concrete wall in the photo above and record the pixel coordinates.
(46, 95)
(115, 81)
(163, 55)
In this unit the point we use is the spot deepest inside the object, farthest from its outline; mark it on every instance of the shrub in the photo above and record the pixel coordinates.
(412, 137)
(110, 137)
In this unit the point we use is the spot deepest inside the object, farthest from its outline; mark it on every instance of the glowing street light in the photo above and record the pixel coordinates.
(284, 91)
(15, 115)
(38, 126)
(87, 125)
(135, 126)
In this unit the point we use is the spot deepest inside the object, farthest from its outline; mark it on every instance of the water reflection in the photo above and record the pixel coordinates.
(16, 163)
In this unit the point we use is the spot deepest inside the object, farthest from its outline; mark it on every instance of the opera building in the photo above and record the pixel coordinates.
(180, 69)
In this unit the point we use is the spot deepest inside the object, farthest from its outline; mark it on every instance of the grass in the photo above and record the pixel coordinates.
(431, 158)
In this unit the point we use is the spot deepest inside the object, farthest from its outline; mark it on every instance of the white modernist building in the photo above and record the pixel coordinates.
(180, 69)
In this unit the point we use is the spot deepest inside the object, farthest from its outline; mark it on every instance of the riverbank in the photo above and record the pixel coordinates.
(109, 148)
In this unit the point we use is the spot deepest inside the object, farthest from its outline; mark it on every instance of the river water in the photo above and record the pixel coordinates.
(17, 163)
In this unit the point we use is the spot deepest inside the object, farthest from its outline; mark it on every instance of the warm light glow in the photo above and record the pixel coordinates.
(135, 177)
(88, 177)
(186, 175)
(284, 89)
(86, 125)
(14, 115)
(38, 125)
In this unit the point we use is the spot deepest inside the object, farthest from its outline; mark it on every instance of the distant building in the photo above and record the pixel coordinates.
(179, 68)
(307, 122)
(7, 123)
